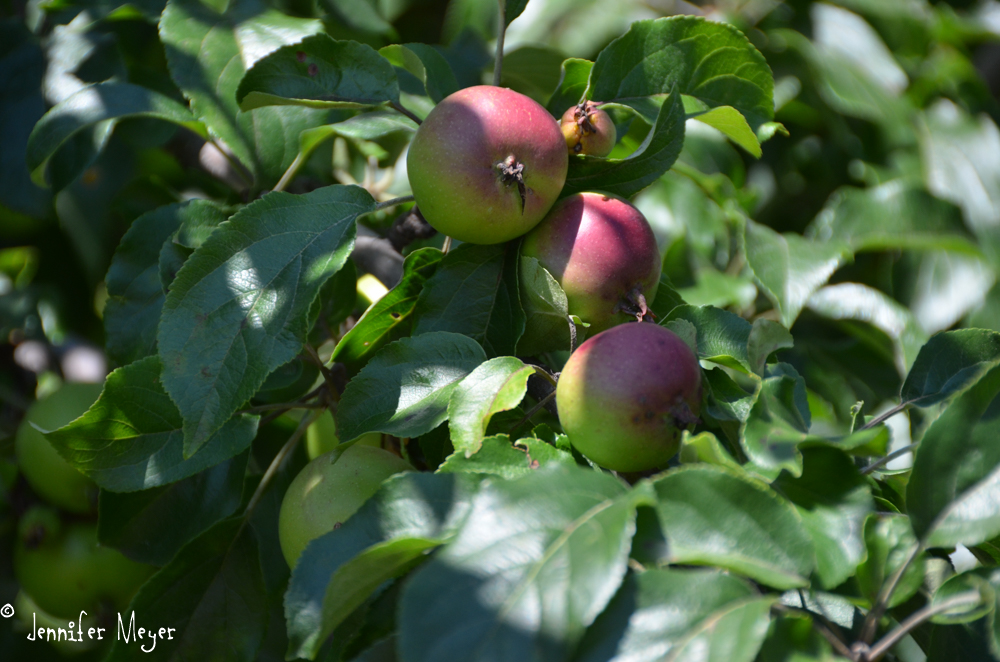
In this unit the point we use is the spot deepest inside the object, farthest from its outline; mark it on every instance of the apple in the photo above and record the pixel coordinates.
(330, 489)
(588, 130)
(625, 396)
(603, 253)
(321, 436)
(50, 476)
(486, 164)
(66, 572)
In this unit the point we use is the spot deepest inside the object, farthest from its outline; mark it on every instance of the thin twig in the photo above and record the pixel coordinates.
(821, 625)
(501, 31)
(447, 245)
(276, 463)
(889, 458)
(882, 418)
(916, 619)
(392, 203)
(399, 108)
(870, 626)
(534, 410)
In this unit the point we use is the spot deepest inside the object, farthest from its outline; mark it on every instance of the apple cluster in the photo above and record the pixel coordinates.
(488, 165)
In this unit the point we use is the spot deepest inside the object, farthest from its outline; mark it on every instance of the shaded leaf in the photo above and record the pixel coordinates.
(427, 65)
(131, 439)
(889, 542)
(950, 363)
(572, 86)
(766, 337)
(239, 307)
(778, 422)
(404, 389)
(722, 336)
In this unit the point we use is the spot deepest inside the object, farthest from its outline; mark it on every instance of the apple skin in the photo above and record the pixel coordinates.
(50, 476)
(588, 130)
(454, 164)
(69, 572)
(626, 394)
(329, 490)
(601, 250)
(321, 436)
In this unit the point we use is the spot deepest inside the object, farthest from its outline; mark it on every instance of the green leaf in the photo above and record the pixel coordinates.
(715, 516)
(779, 421)
(789, 267)
(131, 438)
(705, 447)
(212, 594)
(152, 525)
(766, 337)
(546, 311)
(734, 126)
(238, 308)
(390, 318)
(474, 292)
(893, 215)
(534, 563)
(656, 614)
(723, 337)
(404, 390)
(980, 598)
(950, 363)
(135, 294)
(320, 72)
(95, 104)
(889, 543)
(498, 457)
(572, 86)
(854, 301)
(710, 61)
(628, 176)
(514, 8)
(209, 47)
(953, 495)
(366, 126)
(409, 515)
(834, 500)
(427, 65)
(534, 71)
(735, 634)
(495, 386)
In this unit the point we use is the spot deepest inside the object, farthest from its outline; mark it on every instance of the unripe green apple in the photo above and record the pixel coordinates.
(321, 436)
(603, 253)
(53, 478)
(66, 572)
(588, 130)
(328, 490)
(626, 394)
(486, 164)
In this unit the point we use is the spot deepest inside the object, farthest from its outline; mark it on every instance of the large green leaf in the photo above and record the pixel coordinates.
(953, 495)
(723, 337)
(546, 310)
(152, 525)
(834, 500)
(572, 85)
(428, 65)
(656, 613)
(715, 516)
(211, 594)
(95, 104)
(131, 438)
(789, 267)
(710, 61)
(628, 176)
(475, 292)
(319, 72)
(499, 457)
(409, 515)
(391, 317)
(495, 386)
(534, 563)
(949, 364)
(239, 307)
(135, 292)
(890, 216)
(209, 47)
(405, 388)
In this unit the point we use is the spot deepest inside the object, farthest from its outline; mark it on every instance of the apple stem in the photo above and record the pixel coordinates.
(501, 31)
(447, 245)
(398, 107)
(392, 203)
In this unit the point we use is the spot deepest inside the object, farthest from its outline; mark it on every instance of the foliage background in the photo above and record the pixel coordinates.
(891, 170)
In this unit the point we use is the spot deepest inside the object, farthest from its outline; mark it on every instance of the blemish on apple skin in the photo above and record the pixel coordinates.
(312, 69)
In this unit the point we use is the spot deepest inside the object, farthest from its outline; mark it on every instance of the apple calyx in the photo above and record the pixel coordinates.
(634, 303)
(512, 172)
